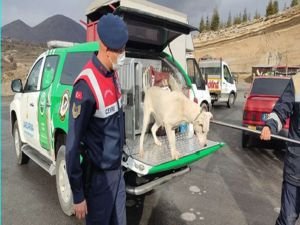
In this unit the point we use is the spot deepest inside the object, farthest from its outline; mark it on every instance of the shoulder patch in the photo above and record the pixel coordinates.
(78, 95)
(76, 110)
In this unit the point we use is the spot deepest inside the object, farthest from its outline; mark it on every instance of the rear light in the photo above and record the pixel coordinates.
(252, 116)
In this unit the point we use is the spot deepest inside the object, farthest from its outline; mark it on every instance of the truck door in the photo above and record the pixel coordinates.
(44, 101)
(198, 83)
(30, 104)
(228, 84)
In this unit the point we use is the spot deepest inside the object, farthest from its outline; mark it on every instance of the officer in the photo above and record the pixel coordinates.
(96, 131)
(288, 106)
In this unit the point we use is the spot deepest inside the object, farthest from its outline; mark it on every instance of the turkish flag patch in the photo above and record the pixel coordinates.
(78, 95)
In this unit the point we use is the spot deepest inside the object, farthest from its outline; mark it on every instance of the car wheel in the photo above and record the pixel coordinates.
(204, 106)
(245, 140)
(62, 183)
(231, 100)
(22, 158)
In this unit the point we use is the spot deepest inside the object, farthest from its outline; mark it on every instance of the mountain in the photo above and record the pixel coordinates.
(57, 27)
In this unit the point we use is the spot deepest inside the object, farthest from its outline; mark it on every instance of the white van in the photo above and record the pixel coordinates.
(220, 81)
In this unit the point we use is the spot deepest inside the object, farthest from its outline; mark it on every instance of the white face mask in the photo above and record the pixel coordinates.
(120, 61)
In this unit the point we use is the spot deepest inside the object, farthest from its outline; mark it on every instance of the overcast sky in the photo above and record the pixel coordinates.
(33, 12)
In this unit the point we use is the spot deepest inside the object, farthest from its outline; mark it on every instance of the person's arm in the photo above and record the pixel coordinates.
(281, 112)
(82, 105)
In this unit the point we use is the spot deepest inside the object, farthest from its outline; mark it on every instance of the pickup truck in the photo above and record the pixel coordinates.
(39, 110)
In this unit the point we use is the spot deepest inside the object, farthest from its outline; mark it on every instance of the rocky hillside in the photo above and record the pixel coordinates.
(17, 58)
(267, 41)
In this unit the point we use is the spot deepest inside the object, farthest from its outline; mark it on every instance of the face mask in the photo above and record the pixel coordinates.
(120, 61)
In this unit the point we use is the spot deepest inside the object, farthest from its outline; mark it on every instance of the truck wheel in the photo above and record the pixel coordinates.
(22, 158)
(204, 106)
(62, 183)
(245, 140)
(231, 100)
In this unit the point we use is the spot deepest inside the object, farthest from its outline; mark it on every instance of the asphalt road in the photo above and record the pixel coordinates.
(234, 186)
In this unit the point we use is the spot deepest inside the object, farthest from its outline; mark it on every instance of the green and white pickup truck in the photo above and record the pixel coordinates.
(39, 110)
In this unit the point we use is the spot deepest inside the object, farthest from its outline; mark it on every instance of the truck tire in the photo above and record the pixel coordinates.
(245, 140)
(204, 106)
(231, 100)
(22, 158)
(62, 183)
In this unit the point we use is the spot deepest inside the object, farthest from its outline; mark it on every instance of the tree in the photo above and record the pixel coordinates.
(237, 19)
(245, 16)
(202, 25)
(207, 24)
(275, 7)
(257, 15)
(294, 3)
(215, 20)
(229, 20)
(269, 9)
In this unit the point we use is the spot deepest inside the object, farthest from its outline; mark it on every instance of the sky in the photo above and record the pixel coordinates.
(33, 12)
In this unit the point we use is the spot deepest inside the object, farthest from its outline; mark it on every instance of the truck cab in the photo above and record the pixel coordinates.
(220, 81)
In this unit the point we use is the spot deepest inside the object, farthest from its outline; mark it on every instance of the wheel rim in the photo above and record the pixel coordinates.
(17, 143)
(64, 186)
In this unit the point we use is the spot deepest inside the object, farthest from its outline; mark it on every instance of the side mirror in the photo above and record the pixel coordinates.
(246, 94)
(16, 86)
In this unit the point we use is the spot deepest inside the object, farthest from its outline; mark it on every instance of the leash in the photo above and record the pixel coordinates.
(254, 131)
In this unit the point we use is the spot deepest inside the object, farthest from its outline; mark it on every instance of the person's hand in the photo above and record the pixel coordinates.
(80, 210)
(265, 134)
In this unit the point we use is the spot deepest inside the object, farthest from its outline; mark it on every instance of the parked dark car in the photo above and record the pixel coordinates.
(263, 95)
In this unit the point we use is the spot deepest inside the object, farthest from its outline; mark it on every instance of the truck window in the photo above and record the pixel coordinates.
(173, 71)
(227, 75)
(49, 70)
(73, 65)
(191, 70)
(33, 78)
(195, 74)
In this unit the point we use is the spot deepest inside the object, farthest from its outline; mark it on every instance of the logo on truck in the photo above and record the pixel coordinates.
(213, 84)
(64, 105)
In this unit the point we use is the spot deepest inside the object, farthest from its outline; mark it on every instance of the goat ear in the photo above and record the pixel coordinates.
(206, 121)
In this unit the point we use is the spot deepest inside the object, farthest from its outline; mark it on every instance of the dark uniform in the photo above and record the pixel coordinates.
(96, 129)
(288, 106)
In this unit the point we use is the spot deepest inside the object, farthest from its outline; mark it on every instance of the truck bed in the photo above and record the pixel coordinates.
(156, 155)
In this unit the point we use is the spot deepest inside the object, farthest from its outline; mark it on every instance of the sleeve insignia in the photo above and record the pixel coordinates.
(76, 110)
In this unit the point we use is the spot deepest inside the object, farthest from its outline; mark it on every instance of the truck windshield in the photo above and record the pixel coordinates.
(73, 65)
(269, 86)
(211, 70)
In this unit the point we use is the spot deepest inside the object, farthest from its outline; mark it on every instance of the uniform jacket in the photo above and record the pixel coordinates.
(95, 121)
(288, 106)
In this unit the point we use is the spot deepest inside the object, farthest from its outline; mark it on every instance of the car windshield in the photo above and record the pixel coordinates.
(269, 86)
(211, 70)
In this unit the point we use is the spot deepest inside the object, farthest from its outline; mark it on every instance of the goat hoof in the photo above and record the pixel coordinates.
(175, 155)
